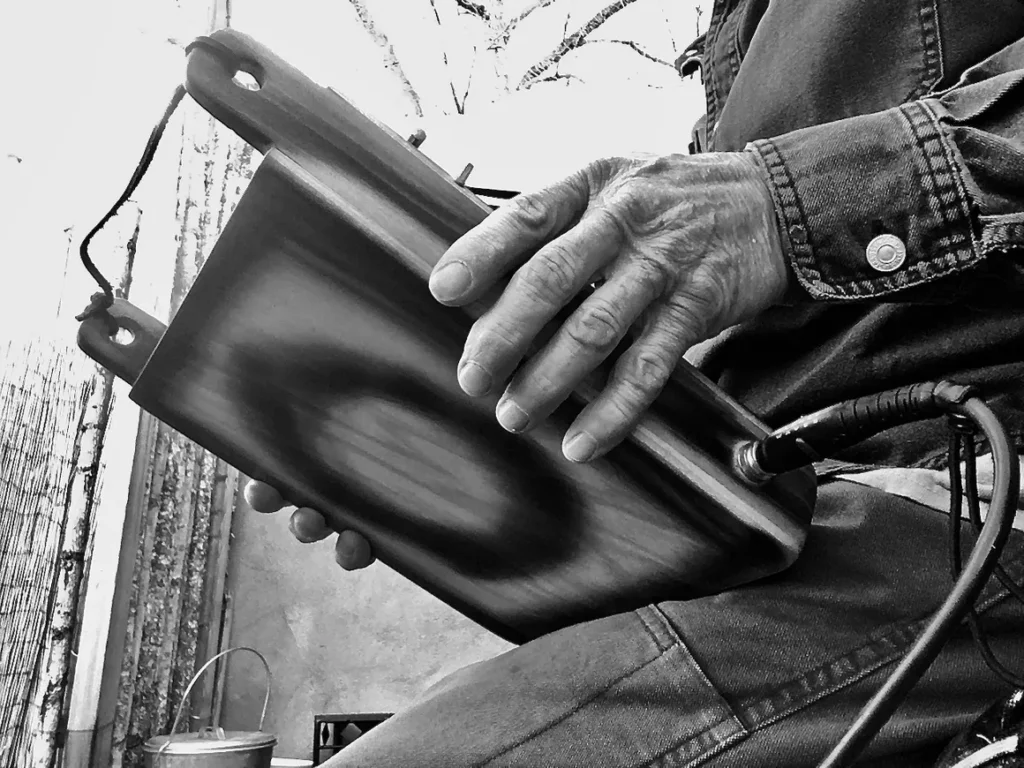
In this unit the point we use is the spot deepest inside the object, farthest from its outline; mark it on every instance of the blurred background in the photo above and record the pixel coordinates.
(127, 556)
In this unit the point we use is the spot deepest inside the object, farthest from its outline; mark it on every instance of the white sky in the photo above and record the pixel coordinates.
(85, 81)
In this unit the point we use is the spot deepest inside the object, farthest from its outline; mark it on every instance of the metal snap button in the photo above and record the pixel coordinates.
(886, 253)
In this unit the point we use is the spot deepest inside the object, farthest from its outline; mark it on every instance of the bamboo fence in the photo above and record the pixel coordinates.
(54, 406)
(177, 593)
(44, 390)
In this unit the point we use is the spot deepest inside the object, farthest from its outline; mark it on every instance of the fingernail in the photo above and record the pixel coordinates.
(512, 417)
(473, 379)
(450, 281)
(579, 447)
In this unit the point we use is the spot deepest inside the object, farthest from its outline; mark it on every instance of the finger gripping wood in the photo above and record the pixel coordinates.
(310, 354)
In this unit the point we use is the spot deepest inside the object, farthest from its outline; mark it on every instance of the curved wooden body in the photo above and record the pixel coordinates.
(310, 354)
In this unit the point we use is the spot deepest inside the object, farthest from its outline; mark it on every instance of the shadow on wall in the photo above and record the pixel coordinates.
(367, 641)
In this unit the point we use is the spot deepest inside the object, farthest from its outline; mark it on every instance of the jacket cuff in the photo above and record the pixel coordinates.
(870, 205)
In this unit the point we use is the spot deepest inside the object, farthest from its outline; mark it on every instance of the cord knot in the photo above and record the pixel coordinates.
(99, 303)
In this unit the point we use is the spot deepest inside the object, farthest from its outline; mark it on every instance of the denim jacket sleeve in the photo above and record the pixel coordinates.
(941, 178)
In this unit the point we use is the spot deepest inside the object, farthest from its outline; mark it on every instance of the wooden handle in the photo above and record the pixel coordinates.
(317, 127)
(125, 354)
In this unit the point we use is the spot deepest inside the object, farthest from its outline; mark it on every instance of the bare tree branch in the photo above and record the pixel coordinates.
(460, 107)
(565, 34)
(558, 76)
(573, 41)
(474, 9)
(668, 28)
(469, 79)
(635, 47)
(390, 59)
(536, 6)
(503, 29)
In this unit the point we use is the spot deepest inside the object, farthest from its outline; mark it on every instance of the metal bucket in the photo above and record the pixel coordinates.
(213, 747)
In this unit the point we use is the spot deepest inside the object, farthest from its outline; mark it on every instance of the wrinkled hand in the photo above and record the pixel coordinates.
(351, 550)
(686, 246)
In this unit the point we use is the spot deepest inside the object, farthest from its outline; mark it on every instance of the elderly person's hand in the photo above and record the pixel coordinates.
(687, 245)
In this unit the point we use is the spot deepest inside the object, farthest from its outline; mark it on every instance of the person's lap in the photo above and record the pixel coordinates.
(767, 675)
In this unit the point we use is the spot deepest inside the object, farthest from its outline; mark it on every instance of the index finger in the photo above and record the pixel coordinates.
(506, 238)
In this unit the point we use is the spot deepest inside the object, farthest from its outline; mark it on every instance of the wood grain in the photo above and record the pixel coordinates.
(310, 354)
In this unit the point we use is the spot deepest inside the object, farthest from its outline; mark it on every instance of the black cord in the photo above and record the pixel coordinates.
(955, 502)
(828, 431)
(981, 639)
(974, 510)
(983, 558)
(100, 302)
(958, 434)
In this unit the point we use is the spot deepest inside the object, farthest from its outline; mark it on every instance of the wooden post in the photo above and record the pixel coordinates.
(45, 740)
(184, 496)
(42, 394)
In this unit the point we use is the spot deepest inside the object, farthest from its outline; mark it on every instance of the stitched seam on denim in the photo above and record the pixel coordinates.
(696, 749)
(720, 9)
(941, 180)
(566, 715)
(784, 193)
(734, 47)
(708, 68)
(689, 653)
(662, 633)
(700, 749)
(999, 241)
(1001, 234)
(720, 746)
(947, 186)
(905, 632)
(852, 667)
(943, 186)
(928, 16)
(899, 638)
(1011, 82)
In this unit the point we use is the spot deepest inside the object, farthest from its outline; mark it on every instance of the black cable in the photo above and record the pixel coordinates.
(955, 502)
(981, 639)
(825, 432)
(956, 436)
(974, 510)
(100, 302)
(983, 558)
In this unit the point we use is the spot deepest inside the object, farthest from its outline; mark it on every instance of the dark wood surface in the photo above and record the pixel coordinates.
(310, 354)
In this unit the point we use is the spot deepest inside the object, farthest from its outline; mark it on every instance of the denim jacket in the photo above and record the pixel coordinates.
(891, 133)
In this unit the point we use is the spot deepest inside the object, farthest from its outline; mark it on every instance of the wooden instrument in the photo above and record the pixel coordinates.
(310, 354)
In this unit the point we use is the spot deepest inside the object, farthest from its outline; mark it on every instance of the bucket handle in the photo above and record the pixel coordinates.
(195, 679)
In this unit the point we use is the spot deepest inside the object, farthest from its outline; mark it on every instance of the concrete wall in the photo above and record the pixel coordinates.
(336, 641)
(371, 641)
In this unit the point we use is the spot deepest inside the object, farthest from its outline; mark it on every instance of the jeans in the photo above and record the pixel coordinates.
(770, 674)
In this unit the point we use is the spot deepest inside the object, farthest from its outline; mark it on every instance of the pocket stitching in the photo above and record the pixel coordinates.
(931, 49)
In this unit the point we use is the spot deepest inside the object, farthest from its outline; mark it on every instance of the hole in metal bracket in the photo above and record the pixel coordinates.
(246, 80)
(123, 338)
